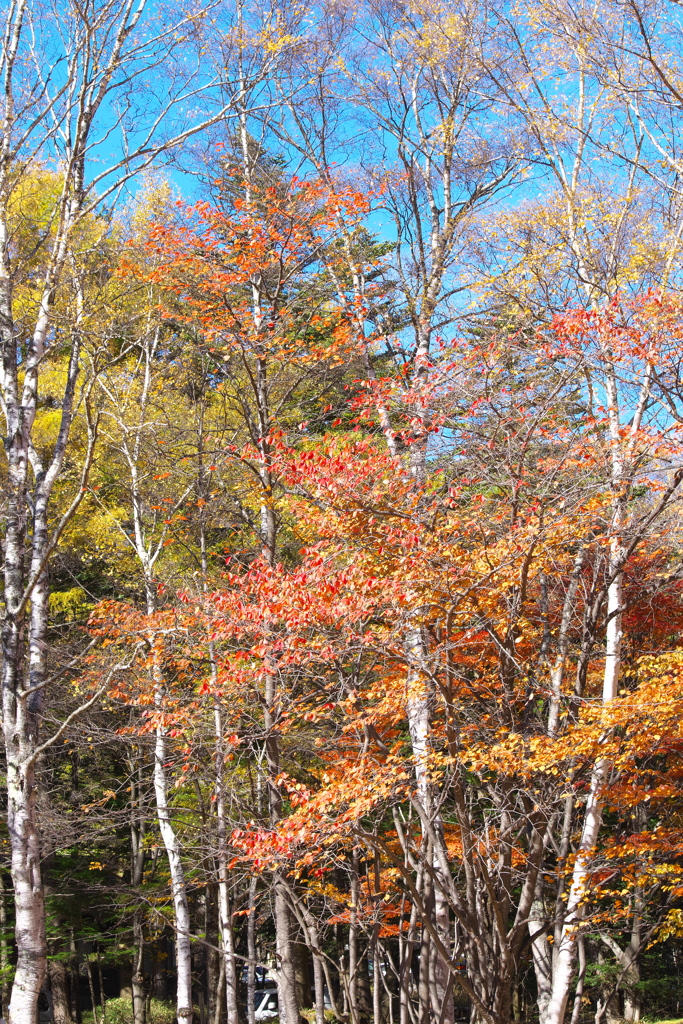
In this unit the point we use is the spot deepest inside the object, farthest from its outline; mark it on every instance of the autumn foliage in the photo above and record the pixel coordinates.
(476, 603)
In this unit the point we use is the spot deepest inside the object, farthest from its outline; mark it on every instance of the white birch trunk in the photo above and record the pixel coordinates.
(541, 953)
(24, 644)
(251, 953)
(180, 905)
(172, 846)
(566, 951)
(227, 936)
(28, 892)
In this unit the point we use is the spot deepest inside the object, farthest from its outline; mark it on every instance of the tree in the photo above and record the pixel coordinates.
(65, 119)
(489, 615)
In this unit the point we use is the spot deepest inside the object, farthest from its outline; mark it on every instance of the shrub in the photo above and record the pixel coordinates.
(120, 1011)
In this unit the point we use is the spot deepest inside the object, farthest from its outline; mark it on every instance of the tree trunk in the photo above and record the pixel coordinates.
(91, 986)
(214, 977)
(184, 1011)
(180, 904)
(580, 981)
(418, 711)
(286, 967)
(26, 585)
(59, 984)
(564, 960)
(541, 952)
(216, 1015)
(376, 953)
(21, 720)
(137, 872)
(353, 938)
(251, 953)
(26, 879)
(632, 999)
(4, 950)
(100, 979)
(287, 993)
(426, 950)
(406, 951)
(224, 912)
(227, 943)
(75, 979)
(443, 1006)
(139, 994)
(318, 975)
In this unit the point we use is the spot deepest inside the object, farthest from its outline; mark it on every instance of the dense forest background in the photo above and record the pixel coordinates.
(342, 382)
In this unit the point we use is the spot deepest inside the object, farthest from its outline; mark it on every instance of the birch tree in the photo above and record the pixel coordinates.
(82, 91)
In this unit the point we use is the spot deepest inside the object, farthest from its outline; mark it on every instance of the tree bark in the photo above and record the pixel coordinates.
(59, 984)
(139, 993)
(184, 1011)
(541, 952)
(578, 996)
(4, 950)
(180, 904)
(565, 958)
(224, 912)
(251, 953)
(137, 873)
(213, 958)
(91, 986)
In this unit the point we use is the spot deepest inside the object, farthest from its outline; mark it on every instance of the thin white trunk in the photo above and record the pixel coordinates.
(137, 872)
(148, 555)
(417, 713)
(621, 479)
(170, 840)
(614, 631)
(251, 953)
(180, 905)
(227, 936)
(541, 952)
(579, 889)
